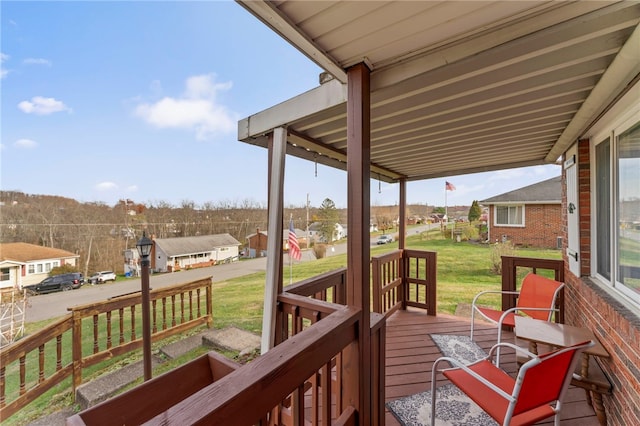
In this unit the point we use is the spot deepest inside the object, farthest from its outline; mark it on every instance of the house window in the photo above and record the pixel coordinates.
(617, 201)
(47, 267)
(39, 268)
(31, 269)
(5, 274)
(509, 215)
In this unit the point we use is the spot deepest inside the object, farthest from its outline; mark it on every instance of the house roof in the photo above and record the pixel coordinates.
(455, 87)
(545, 192)
(285, 233)
(192, 245)
(25, 252)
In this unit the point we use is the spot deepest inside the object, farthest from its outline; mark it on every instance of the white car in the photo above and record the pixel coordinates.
(384, 239)
(102, 277)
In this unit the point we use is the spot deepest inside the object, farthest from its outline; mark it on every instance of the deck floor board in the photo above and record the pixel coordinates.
(410, 353)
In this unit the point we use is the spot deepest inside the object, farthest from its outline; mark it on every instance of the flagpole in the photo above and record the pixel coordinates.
(446, 210)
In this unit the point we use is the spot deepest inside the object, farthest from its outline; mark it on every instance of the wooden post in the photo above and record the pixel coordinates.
(358, 250)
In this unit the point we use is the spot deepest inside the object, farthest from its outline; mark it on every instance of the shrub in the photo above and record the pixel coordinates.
(320, 250)
(498, 250)
(64, 269)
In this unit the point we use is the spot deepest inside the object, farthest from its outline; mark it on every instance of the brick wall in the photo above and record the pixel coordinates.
(543, 227)
(588, 305)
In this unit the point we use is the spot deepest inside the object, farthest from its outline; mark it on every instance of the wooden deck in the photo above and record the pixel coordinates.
(410, 354)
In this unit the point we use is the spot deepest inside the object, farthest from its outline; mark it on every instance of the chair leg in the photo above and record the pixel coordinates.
(433, 400)
(498, 349)
(473, 311)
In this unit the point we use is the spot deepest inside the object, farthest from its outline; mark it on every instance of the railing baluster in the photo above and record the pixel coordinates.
(154, 328)
(121, 324)
(95, 334)
(2, 386)
(23, 376)
(58, 352)
(41, 363)
(173, 310)
(133, 322)
(109, 330)
(198, 312)
(181, 308)
(164, 313)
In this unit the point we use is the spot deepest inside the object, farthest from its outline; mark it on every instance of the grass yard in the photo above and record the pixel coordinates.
(464, 269)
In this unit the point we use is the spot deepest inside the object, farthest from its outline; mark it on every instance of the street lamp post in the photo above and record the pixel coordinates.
(144, 249)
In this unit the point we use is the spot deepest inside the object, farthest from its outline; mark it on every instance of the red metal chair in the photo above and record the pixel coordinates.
(535, 394)
(536, 298)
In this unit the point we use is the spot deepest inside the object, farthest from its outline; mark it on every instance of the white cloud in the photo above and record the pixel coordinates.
(42, 106)
(106, 186)
(37, 61)
(25, 143)
(3, 72)
(508, 174)
(196, 110)
(132, 188)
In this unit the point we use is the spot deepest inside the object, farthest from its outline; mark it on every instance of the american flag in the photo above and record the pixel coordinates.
(448, 186)
(294, 247)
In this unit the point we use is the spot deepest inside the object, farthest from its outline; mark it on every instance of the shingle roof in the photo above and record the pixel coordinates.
(545, 192)
(25, 252)
(191, 245)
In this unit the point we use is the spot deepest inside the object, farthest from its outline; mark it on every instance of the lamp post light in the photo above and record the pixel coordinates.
(144, 246)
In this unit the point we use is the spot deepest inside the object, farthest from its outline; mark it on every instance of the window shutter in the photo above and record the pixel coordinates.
(573, 217)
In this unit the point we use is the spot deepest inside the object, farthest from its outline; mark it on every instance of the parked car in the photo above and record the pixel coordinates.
(62, 282)
(102, 277)
(384, 239)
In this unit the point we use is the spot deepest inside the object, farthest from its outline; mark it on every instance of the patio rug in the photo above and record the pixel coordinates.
(461, 348)
(452, 406)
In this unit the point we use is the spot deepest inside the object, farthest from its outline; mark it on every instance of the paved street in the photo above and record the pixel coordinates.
(46, 306)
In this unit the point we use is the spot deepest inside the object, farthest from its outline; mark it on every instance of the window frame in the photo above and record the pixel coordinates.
(509, 206)
(609, 131)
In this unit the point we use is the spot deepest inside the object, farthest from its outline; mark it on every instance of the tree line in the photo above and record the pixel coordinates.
(100, 233)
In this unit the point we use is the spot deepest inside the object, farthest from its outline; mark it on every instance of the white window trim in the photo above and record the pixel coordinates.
(508, 225)
(617, 120)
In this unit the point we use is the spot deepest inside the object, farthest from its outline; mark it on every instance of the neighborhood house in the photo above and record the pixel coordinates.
(173, 254)
(24, 264)
(529, 216)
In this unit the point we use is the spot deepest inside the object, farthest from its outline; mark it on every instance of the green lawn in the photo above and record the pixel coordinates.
(464, 269)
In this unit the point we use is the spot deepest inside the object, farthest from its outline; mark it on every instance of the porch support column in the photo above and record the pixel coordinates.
(273, 283)
(358, 243)
(402, 215)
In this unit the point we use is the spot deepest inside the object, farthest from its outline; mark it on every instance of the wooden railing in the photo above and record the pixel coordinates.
(513, 268)
(43, 359)
(404, 278)
(399, 279)
(330, 287)
(299, 381)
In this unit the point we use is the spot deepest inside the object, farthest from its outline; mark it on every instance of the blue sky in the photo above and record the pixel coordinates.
(109, 100)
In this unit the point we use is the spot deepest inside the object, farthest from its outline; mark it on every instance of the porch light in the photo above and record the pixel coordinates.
(144, 249)
(144, 245)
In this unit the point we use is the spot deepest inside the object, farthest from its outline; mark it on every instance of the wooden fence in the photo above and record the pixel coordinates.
(38, 362)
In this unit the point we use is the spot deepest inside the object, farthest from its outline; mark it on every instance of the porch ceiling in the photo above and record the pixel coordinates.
(456, 86)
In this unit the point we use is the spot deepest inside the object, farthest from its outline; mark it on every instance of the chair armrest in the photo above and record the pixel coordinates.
(512, 346)
(482, 293)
